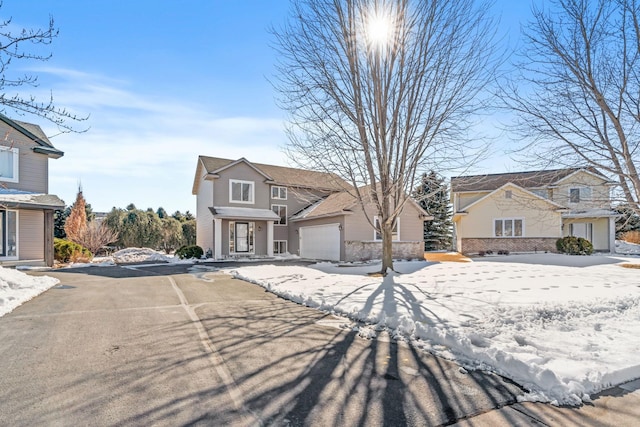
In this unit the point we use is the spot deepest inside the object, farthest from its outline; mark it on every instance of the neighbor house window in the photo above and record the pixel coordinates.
(279, 246)
(241, 191)
(576, 195)
(9, 234)
(395, 234)
(508, 194)
(278, 193)
(281, 211)
(241, 237)
(8, 164)
(508, 227)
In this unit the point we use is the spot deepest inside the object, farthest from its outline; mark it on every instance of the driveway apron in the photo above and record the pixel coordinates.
(142, 346)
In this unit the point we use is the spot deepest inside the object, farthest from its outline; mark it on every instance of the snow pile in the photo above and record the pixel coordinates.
(133, 255)
(561, 332)
(17, 287)
(623, 247)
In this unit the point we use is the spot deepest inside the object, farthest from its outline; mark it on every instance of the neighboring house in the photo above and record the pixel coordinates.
(251, 209)
(26, 207)
(529, 211)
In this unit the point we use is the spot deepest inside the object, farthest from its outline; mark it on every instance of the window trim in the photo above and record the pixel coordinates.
(279, 242)
(16, 163)
(4, 235)
(279, 222)
(252, 192)
(513, 227)
(582, 194)
(279, 188)
(377, 238)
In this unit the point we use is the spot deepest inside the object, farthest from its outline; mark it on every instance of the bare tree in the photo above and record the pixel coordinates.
(25, 45)
(95, 236)
(377, 89)
(577, 91)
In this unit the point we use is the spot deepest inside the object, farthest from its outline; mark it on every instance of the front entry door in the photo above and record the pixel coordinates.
(242, 237)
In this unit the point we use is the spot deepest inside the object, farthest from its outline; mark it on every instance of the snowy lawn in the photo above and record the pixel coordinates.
(562, 332)
(17, 287)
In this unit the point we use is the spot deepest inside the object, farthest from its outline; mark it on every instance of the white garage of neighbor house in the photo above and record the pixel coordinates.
(247, 209)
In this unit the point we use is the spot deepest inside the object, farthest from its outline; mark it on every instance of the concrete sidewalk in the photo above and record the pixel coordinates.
(149, 346)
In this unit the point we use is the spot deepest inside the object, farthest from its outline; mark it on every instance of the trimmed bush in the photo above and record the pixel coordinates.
(574, 246)
(188, 252)
(68, 251)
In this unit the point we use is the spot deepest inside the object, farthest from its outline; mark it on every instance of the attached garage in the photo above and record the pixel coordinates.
(320, 242)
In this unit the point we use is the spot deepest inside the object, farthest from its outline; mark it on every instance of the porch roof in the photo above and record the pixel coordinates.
(15, 199)
(228, 212)
(590, 213)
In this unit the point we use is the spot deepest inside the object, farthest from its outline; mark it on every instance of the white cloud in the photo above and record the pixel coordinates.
(147, 142)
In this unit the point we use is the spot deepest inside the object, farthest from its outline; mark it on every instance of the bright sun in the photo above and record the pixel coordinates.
(379, 29)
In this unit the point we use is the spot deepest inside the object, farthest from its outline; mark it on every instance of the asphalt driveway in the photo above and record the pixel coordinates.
(175, 345)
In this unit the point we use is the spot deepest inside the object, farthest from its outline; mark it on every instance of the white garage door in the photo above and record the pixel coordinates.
(320, 242)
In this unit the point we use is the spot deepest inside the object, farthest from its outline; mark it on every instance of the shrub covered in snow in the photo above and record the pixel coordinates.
(574, 245)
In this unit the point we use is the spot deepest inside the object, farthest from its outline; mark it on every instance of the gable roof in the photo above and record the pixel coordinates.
(512, 185)
(35, 134)
(277, 175)
(530, 179)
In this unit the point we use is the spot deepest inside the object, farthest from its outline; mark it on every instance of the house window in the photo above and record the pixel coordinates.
(8, 164)
(576, 195)
(241, 191)
(395, 234)
(281, 211)
(508, 227)
(541, 192)
(278, 193)
(279, 246)
(9, 234)
(241, 237)
(508, 194)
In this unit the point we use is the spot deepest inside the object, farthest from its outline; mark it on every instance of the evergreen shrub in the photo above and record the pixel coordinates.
(191, 251)
(574, 246)
(67, 251)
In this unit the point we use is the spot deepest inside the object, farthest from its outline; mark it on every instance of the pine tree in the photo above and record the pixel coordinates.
(433, 196)
(76, 224)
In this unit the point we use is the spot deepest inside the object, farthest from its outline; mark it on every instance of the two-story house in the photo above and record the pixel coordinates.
(26, 207)
(529, 211)
(250, 209)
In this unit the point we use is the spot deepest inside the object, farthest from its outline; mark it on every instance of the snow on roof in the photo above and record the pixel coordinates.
(244, 213)
(17, 198)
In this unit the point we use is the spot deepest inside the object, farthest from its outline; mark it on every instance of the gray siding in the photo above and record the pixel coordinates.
(411, 225)
(31, 235)
(204, 218)
(242, 172)
(33, 168)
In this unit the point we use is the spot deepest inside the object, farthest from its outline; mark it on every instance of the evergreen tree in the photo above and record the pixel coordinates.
(433, 196)
(59, 219)
(162, 214)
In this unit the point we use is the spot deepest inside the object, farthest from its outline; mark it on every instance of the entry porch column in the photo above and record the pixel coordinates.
(269, 238)
(217, 238)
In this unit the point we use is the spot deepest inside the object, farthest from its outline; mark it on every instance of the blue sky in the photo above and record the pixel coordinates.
(163, 82)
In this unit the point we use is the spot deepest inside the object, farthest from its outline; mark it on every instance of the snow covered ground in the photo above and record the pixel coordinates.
(561, 331)
(563, 327)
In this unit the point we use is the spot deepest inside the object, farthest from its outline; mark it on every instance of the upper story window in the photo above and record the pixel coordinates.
(278, 193)
(395, 233)
(8, 164)
(579, 194)
(241, 191)
(281, 210)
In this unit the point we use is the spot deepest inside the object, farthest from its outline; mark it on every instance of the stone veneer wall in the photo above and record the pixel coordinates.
(512, 244)
(356, 250)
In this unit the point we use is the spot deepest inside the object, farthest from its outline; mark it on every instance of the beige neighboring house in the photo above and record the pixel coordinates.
(247, 209)
(529, 211)
(26, 207)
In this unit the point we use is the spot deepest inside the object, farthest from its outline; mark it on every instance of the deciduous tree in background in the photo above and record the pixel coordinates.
(578, 88)
(376, 89)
